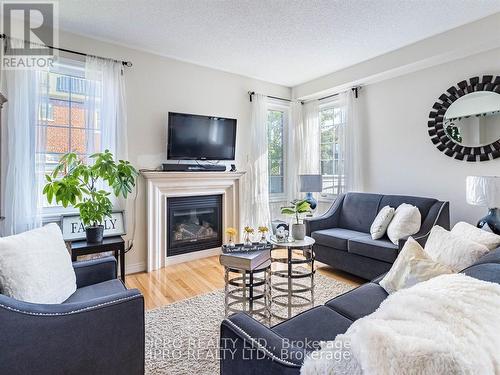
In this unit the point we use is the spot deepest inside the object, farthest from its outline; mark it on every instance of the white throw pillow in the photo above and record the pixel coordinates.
(475, 234)
(381, 222)
(452, 250)
(411, 267)
(406, 221)
(36, 267)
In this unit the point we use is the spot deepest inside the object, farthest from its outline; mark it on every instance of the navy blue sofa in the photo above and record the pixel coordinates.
(97, 330)
(342, 234)
(250, 348)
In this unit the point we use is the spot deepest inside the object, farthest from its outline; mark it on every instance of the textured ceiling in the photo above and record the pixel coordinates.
(282, 41)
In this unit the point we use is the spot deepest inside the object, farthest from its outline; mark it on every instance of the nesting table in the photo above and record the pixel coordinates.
(250, 289)
(297, 288)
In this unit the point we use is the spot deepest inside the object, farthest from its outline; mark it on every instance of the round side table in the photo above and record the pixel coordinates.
(294, 292)
(248, 291)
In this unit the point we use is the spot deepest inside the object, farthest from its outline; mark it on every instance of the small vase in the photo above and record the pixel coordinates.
(247, 241)
(231, 243)
(263, 238)
(298, 231)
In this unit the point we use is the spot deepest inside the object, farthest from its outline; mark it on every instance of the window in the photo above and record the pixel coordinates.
(62, 125)
(332, 126)
(276, 119)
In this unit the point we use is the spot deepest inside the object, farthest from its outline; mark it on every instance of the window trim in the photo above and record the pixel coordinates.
(278, 106)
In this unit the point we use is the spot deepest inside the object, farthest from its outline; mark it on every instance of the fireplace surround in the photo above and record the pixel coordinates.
(161, 186)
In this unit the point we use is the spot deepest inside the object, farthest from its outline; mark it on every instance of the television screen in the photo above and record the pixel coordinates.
(194, 137)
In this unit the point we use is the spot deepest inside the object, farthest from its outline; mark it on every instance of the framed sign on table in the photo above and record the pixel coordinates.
(74, 230)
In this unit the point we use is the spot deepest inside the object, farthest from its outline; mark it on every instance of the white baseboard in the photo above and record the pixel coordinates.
(191, 256)
(135, 268)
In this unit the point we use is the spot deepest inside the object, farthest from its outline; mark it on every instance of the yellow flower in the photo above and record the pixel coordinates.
(263, 229)
(231, 231)
(248, 229)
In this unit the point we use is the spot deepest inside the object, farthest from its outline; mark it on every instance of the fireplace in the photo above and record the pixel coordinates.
(194, 223)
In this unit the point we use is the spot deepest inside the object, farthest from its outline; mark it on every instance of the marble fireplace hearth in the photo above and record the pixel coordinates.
(164, 185)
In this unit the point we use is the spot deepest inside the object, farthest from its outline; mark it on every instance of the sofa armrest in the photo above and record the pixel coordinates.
(439, 214)
(89, 272)
(330, 219)
(249, 347)
(103, 335)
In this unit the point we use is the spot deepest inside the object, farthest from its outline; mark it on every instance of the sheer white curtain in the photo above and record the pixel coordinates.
(24, 90)
(304, 150)
(255, 202)
(105, 97)
(295, 140)
(353, 155)
(105, 107)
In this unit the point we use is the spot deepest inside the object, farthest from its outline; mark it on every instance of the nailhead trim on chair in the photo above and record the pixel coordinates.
(71, 312)
(259, 346)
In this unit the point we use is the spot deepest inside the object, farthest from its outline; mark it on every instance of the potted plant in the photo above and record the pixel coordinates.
(75, 183)
(247, 241)
(263, 230)
(297, 208)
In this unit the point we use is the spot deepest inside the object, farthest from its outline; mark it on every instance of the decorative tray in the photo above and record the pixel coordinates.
(239, 247)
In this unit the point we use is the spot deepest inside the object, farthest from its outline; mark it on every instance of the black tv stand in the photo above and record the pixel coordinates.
(193, 167)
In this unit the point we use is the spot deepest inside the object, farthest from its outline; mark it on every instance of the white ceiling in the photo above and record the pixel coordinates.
(281, 41)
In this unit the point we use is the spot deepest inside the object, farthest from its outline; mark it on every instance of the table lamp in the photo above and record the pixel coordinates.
(485, 191)
(311, 183)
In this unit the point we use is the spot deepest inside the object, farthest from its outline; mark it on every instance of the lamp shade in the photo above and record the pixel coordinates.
(483, 191)
(311, 183)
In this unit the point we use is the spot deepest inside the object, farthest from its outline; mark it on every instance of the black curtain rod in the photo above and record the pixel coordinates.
(124, 63)
(355, 89)
(252, 93)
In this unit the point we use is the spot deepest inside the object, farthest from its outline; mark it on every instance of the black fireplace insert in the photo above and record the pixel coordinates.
(194, 223)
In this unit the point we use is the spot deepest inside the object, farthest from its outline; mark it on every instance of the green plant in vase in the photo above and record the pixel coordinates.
(75, 183)
(297, 209)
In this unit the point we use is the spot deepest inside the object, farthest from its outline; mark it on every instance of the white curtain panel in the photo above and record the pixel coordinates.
(294, 150)
(353, 151)
(105, 94)
(255, 184)
(24, 90)
(309, 134)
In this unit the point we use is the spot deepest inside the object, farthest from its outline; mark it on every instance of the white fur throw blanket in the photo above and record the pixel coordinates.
(446, 325)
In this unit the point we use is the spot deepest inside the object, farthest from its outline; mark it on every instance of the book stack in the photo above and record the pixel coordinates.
(244, 258)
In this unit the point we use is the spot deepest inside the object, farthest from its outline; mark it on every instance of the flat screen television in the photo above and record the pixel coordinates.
(195, 137)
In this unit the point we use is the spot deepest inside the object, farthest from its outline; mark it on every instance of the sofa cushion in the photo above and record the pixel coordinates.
(359, 302)
(317, 324)
(423, 204)
(382, 249)
(358, 211)
(103, 289)
(486, 271)
(335, 237)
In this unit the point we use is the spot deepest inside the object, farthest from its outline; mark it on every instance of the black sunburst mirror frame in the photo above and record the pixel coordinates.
(435, 124)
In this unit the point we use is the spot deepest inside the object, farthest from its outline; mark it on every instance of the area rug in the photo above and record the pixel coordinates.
(183, 338)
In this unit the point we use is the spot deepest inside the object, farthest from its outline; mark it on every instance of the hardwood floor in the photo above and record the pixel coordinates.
(185, 280)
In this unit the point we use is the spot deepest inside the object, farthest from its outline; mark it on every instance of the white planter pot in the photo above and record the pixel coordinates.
(298, 231)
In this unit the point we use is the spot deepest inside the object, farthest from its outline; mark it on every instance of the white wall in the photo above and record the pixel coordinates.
(157, 85)
(400, 157)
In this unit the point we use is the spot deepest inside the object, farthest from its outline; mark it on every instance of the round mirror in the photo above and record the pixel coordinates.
(473, 120)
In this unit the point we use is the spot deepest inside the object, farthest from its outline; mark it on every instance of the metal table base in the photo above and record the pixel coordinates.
(297, 291)
(248, 291)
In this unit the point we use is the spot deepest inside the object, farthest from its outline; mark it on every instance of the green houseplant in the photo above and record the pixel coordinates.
(297, 208)
(75, 183)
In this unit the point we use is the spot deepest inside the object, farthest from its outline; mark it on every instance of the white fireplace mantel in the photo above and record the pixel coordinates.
(161, 185)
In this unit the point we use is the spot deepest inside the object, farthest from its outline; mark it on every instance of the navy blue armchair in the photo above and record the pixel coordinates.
(97, 330)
